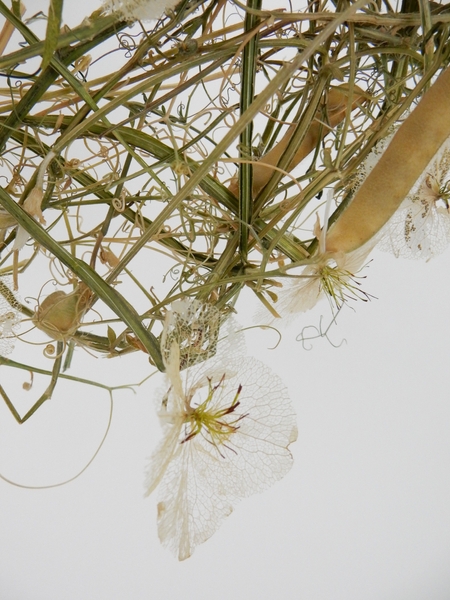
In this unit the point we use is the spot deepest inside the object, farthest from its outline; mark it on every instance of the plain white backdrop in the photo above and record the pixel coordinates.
(364, 513)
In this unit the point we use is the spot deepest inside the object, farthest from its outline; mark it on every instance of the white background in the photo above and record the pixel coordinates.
(364, 513)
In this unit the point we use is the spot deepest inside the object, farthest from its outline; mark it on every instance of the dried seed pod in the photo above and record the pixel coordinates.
(413, 146)
(33, 204)
(420, 228)
(337, 101)
(60, 314)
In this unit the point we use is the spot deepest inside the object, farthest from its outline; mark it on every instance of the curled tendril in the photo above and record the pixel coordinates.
(120, 204)
(320, 333)
(127, 43)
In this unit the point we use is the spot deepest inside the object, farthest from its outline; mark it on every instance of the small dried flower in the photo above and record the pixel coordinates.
(227, 425)
(333, 275)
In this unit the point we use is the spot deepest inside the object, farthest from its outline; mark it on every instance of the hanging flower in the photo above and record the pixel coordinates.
(227, 425)
(421, 226)
(333, 275)
(140, 10)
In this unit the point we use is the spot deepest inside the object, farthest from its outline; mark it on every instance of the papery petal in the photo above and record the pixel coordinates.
(33, 204)
(301, 294)
(203, 480)
(162, 456)
(420, 229)
(22, 237)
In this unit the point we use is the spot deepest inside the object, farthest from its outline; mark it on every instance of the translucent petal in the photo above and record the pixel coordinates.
(420, 228)
(228, 441)
(195, 327)
(335, 276)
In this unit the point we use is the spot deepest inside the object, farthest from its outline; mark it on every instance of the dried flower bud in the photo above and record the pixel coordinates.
(32, 206)
(33, 203)
(60, 314)
(107, 257)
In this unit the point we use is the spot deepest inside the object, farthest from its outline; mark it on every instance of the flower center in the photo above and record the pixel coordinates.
(341, 285)
(215, 424)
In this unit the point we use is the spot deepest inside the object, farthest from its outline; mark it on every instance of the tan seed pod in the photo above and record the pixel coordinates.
(60, 314)
(413, 146)
(337, 100)
(33, 203)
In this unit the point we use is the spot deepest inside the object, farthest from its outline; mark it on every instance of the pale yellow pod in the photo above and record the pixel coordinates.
(337, 100)
(60, 314)
(415, 143)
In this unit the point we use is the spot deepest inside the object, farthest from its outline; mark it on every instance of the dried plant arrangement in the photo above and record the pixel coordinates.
(230, 145)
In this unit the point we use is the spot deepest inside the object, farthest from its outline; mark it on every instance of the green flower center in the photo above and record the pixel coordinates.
(215, 424)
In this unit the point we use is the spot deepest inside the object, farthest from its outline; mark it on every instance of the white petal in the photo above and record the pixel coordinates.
(22, 237)
(162, 456)
(416, 231)
(201, 479)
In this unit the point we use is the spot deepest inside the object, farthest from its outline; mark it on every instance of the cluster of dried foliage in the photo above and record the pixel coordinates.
(202, 140)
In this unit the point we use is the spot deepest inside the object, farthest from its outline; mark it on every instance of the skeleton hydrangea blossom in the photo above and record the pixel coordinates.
(421, 226)
(227, 423)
